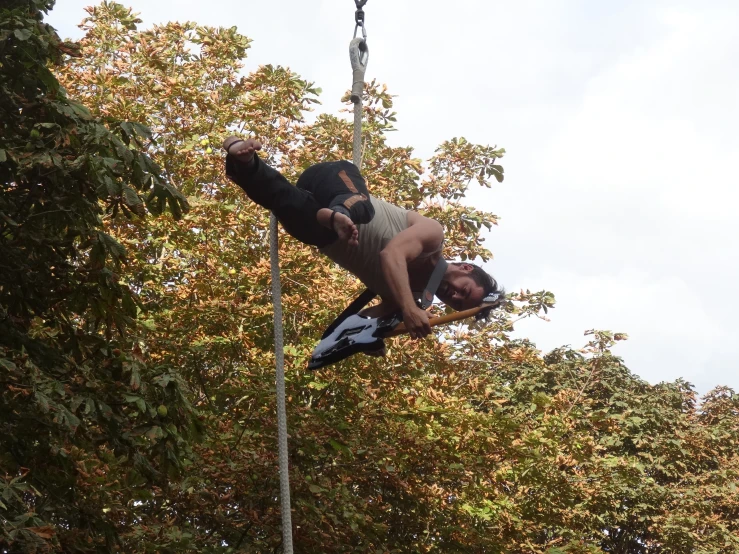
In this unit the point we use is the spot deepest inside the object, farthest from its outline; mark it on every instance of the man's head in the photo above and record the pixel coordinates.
(464, 285)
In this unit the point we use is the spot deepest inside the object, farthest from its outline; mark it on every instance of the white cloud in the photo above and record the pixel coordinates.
(620, 124)
(657, 121)
(667, 323)
(636, 190)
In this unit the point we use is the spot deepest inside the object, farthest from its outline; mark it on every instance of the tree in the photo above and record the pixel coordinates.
(76, 410)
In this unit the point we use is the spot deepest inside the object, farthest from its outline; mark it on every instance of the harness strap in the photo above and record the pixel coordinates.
(357, 304)
(427, 297)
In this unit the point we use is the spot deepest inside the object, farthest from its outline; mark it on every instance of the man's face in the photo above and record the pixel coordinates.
(459, 290)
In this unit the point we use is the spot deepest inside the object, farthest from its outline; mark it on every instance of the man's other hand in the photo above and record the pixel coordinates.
(242, 150)
(416, 321)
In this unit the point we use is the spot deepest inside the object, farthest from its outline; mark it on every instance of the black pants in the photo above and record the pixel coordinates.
(335, 185)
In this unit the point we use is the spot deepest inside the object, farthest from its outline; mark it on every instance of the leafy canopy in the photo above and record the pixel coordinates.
(473, 443)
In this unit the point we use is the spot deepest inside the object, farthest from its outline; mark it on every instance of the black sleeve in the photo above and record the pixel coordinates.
(240, 172)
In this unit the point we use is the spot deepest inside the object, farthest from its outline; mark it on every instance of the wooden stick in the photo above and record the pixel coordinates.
(434, 321)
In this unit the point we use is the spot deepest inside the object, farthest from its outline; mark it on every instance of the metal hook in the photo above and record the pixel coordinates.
(364, 31)
(359, 18)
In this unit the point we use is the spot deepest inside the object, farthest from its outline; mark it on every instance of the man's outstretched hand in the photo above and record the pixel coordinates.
(242, 150)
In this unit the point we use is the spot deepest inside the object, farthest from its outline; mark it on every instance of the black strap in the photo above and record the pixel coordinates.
(357, 304)
(331, 221)
(427, 296)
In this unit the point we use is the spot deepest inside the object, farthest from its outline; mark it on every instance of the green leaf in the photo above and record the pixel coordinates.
(43, 401)
(135, 381)
(47, 78)
(82, 112)
(163, 380)
(141, 405)
(104, 410)
(22, 34)
(116, 249)
(141, 130)
(7, 220)
(339, 447)
(318, 385)
(155, 433)
(131, 197)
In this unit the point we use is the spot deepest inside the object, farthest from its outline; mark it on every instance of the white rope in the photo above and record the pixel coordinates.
(357, 144)
(359, 56)
(287, 527)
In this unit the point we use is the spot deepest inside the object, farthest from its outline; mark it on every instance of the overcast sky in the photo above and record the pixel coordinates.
(620, 122)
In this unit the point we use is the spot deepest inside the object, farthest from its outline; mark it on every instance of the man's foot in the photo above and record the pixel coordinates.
(242, 150)
(342, 224)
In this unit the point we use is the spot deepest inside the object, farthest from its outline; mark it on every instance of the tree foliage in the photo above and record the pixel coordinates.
(79, 420)
(470, 442)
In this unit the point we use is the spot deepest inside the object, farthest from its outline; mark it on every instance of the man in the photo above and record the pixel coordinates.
(391, 250)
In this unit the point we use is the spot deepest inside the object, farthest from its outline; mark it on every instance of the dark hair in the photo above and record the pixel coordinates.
(486, 281)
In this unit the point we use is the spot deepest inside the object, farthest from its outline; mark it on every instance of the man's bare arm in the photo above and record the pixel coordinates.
(422, 235)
